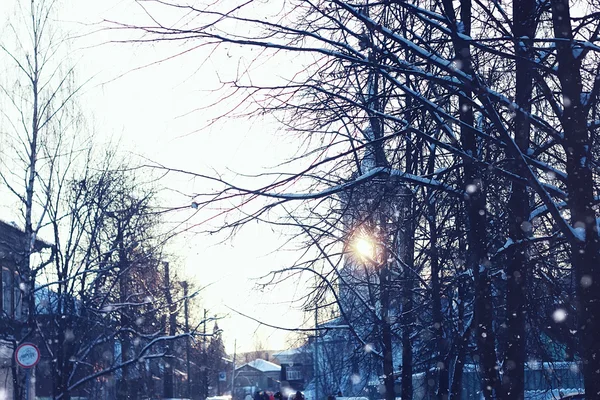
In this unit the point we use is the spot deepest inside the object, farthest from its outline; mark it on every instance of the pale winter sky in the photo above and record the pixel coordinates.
(148, 111)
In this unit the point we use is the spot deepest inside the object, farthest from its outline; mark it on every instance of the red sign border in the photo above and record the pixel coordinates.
(39, 355)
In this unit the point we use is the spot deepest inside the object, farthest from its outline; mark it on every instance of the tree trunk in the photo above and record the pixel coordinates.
(407, 349)
(463, 334)
(62, 366)
(456, 388)
(27, 277)
(476, 209)
(406, 247)
(513, 380)
(585, 246)
(441, 344)
(441, 356)
(386, 336)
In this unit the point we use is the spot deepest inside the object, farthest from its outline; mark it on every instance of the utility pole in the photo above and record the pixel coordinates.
(205, 356)
(316, 351)
(169, 367)
(124, 388)
(187, 339)
(233, 367)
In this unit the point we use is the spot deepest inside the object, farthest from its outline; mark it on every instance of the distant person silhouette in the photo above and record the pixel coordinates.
(299, 396)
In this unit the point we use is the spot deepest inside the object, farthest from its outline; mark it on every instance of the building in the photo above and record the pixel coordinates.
(296, 367)
(255, 376)
(12, 314)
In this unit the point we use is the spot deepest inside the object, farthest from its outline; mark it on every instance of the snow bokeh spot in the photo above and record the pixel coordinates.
(526, 226)
(107, 309)
(368, 348)
(355, 378)
(586, 281)
(457, 65)
(579, 230)
(574, 368)
(559, 315)
(471, 188)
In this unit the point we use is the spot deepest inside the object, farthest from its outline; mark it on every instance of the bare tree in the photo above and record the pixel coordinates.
(38, 96)
(452, 100)
(99, 289)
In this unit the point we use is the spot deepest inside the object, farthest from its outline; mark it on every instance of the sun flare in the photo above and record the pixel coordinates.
(365, 247)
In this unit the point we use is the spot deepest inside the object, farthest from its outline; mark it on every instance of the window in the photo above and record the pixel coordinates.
(11, 305)
(293, 374)
(7, 292)
(17, 306)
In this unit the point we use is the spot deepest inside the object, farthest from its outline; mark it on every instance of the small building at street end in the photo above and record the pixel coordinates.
(257, 375)
(296, 367)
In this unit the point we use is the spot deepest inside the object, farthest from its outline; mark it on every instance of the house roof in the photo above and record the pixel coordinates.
(11, 235)
(262, 365)
(291, 355)
(288, 352)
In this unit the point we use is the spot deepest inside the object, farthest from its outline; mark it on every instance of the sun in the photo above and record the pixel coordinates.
(364, 247)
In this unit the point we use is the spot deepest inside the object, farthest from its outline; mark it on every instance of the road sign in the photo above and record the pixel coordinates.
(27, 355)
(222, 376)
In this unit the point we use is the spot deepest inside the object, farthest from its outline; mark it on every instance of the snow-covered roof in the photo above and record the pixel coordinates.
(12, 234)
(551, 394)
(288, 356)
(262, 365)
(288, 352)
